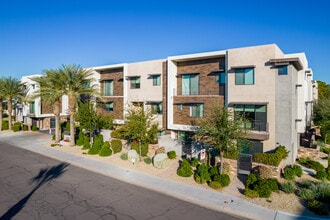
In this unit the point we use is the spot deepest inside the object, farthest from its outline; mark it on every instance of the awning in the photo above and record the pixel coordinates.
(285, 61)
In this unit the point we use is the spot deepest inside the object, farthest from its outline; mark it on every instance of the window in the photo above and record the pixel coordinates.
(135, 82)
(190, 84)
(197, 110)
(32, 107)
(109, 107)
(221, 78)
(107, 88)
(180, 107)
(156, 80)
(157, 108)
(244, 76)
(282, 70)
(255, 116)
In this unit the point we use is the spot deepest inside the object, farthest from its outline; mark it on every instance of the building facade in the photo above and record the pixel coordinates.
(273, 90)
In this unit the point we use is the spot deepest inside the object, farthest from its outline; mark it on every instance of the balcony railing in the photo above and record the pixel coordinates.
(256, 126)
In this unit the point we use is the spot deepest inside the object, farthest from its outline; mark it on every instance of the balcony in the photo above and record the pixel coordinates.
(257, 130)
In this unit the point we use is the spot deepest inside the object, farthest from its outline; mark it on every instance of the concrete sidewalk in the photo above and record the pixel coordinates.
(207, 198)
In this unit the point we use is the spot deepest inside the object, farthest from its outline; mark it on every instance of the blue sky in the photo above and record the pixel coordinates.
(38, 35)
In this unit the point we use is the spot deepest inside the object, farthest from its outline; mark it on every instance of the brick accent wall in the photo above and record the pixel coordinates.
(117, 76)
(46, 107)
(118, 107)
(183, 116)
(207, 77)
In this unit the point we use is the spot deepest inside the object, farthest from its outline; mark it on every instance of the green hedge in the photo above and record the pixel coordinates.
(116, 146)
(256, 186)
(185, 170)
(105, 150)
(273, 159)
(171, 154)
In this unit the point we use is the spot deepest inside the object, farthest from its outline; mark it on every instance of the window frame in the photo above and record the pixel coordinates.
(281, 71)
(243, 72)
(156, 80)
(109, 108)
(188, 89)
(134, 84)
(196, 110)
(111, 85)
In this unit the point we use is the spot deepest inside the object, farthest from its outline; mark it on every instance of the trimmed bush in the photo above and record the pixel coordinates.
(287, 187)
(171, 154)
(116, 146)
(97, 144)
(321, 175)
(273, 159)
(105, 150)
(119, 133)
(86, 145)
(185, 170)
(224, 180)
(251, 193)
(147, 160)
(17, 127)
(194, 162)
(34, 128)
(215, 185)
(124, 156)
(5, 125)
(202, 174)
(25, 127)
(81, 138)
(262, 187)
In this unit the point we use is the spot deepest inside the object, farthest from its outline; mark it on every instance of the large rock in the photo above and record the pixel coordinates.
(160, 161)
(132, 156)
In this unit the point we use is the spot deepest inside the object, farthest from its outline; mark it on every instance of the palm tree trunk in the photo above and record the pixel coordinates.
(57, 121)
(9, 112)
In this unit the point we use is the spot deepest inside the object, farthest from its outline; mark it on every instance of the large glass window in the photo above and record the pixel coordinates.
(156, 80)
(197, 110)
(32, 107)
(244, 76)
(221, 78)
(190, 84)
(108, 88)
(135, 82)
(282, 70)
(255, 116)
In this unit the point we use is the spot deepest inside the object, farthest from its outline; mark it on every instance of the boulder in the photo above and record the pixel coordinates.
(160, 161)
(132, 156)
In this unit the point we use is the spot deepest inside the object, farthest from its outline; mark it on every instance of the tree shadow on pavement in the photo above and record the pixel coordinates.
(45, 175)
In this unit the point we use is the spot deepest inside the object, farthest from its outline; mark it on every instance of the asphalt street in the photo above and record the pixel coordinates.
(33, 186)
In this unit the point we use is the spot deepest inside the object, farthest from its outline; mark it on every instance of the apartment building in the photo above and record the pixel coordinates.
(273, 90)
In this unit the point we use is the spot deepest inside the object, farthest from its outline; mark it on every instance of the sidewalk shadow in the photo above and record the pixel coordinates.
(45, 175)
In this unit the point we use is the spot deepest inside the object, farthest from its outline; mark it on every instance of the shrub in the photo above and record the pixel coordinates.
(5, 125)
(252, 178)
(86, 145)
(289, 173)
(232, 153)
(262, 187)
(202, 174)
(306, 194)
(105, 150)
(321, 175)
(273, 159)
(214, 171)
(251, 193)
(147, 160)
(97, 144)
(185, 170)
(264, 191)
(144, 148)
(17, 127)
(318, 207)
(80, 140)
(116, 146)
(25, 127)
(312, 164)
(287, 187)
(105, 121)
(119, 133)
(328, 172)
(297, 170)
(34, 128)
(171, 154)
(273, 184)
(124, 156)
(215, 185)
(224, 180)
(194, 161)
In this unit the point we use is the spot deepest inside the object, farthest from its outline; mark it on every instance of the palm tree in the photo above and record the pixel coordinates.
(77, 82)
(2, 96)
(51, 89)
(12, 89)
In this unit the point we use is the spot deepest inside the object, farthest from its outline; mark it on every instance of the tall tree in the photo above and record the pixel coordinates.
(87, 118)
(51, 90)
(323, 90)
(77, 82)
(221, 130)
(12, 89)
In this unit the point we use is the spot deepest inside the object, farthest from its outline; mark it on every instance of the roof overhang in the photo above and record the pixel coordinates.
(286, 61)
